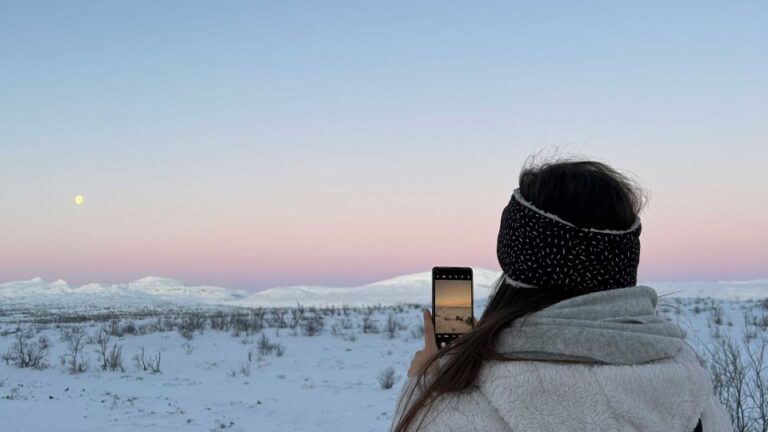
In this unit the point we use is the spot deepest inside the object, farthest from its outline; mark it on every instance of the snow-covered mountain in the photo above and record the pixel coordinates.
(416, 288)
(146, 292)
(413, 288)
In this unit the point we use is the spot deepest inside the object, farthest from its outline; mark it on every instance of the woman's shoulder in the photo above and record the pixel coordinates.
(685, 366)
(667, 394)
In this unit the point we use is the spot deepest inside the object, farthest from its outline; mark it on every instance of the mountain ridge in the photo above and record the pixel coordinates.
(158, 291)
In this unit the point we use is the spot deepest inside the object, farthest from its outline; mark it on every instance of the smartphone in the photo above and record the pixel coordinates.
(452, 303)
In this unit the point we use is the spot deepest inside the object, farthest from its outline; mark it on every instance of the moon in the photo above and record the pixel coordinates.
(79, 200)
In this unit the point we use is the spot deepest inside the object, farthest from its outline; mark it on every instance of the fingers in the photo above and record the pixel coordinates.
(429, 332)
(415, 361)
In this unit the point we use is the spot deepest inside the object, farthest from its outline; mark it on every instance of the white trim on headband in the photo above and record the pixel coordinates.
(522, 201)
(518, 284)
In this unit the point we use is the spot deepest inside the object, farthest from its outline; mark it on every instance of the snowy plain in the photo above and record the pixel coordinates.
(305, 358)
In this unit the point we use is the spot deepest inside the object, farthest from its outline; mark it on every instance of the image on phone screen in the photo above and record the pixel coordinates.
(452, 303)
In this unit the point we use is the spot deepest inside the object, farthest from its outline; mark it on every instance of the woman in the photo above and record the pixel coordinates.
(568, 340)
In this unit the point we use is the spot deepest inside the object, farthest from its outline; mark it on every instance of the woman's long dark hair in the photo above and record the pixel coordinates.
(587, 193)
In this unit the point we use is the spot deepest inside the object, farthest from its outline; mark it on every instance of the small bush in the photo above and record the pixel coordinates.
(130, 328)
(764, 303)
(25, 353)
(265, 347)
(417, 331)
(102, 346)
(716, 313)
(151, 364)
(187, 347)
(386, 378)
(369, 326)
(115, 359)
(313, 325)
(391, 328)
(245, 369)
(74, 359)
(191, 323)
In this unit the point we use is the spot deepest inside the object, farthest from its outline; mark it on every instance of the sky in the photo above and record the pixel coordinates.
(255, 144)
(453, 293)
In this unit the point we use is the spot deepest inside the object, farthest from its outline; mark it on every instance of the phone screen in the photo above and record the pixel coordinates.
(452, 302)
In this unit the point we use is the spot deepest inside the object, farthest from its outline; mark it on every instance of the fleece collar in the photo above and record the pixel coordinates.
(618, 326)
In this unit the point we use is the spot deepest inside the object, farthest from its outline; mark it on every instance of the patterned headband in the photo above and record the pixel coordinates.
(537, 249)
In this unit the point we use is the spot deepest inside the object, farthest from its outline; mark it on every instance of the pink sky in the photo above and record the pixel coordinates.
(252, 146)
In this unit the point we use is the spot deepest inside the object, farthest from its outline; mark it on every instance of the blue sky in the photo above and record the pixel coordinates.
(252, 144)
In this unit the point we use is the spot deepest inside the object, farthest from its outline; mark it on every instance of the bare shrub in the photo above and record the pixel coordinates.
(114, 328)
(111, 359)
(764, 303)
(312, 325)
(335, 329)
(154, 363)
(417, 331)
(346, 323)
(187, 347)
(369, 326)
(256, 320)
(729, 378)
(186, 333)
(391, 328)
(191, 323)
(716, 313)
(219, 321)
(129, 328)
(25, 353)
(14, 394)
(297, 316)
(264, 345)
(750, 327)
(386, 378)
(151, 364)
(115, 359)
(139, 360)
(278, 318)
(757, 389)
(245, 368)
(74, 358)
(102, 346)
(750, 332)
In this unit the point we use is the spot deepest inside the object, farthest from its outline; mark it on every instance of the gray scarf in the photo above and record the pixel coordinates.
(618, 326)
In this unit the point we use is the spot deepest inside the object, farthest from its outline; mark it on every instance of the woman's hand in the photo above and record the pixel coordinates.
(421, 357)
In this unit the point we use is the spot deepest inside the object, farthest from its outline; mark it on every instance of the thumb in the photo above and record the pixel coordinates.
(429, 331)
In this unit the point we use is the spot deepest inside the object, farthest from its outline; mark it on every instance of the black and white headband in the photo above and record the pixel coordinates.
(537, 249)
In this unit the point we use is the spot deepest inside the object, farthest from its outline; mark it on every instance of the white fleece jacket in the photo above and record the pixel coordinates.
(664, 395)
(668, 395)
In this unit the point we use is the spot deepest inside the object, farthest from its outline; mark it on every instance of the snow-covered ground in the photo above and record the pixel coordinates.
(324, 377)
